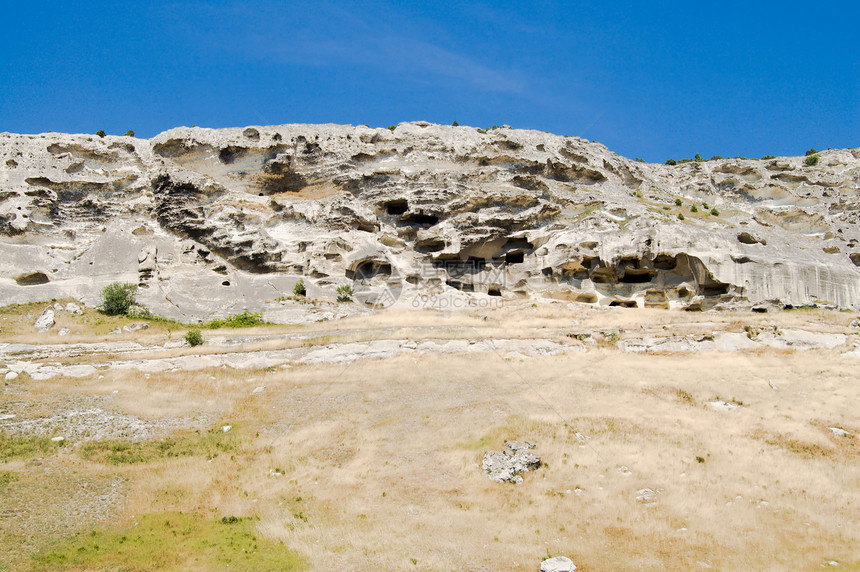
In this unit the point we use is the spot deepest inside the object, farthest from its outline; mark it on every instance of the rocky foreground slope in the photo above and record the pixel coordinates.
(215, 221)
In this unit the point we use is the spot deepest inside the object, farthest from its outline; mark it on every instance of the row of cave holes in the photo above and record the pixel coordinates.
(400, 207)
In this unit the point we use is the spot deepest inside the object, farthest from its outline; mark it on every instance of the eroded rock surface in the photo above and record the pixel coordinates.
(218, 221)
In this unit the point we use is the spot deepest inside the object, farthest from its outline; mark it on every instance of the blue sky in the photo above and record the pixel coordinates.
(648, 79)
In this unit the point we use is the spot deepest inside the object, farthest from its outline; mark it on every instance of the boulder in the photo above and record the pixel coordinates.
(557, 564)
(45, 321)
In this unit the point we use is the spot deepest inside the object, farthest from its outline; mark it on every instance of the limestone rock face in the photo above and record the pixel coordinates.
(212, 222)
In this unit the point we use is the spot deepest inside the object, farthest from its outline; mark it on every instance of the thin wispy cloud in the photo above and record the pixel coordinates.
(329, 35)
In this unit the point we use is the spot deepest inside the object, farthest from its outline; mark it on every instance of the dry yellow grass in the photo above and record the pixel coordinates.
(380, 459)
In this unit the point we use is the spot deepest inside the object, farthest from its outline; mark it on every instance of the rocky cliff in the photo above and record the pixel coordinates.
(211, 222)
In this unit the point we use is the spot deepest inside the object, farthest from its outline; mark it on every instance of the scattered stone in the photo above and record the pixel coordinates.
(115, 331)
(723, 405)
(46, 320)
(647, 496)
(57, 439)
(839, 432)
(10, 376)
(557, 564)
(506, 466)
(855, 324)
(7, 416)
(226, 428)
(73, 308)
(64, 332)
(624, 471)
(135, 327)
(257, 390)
(830, 563)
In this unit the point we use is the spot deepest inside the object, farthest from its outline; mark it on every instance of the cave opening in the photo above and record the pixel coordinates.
(397, 207)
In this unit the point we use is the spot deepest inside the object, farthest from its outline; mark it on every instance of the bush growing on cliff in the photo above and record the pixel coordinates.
(811, 161)
(299, 288)
(344, 293)
(129, 133)
(100, 133)
(118, 298)
(244, 320)
(194, 337)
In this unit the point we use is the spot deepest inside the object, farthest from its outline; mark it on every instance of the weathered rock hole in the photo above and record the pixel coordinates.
(397, 207)
(855, 258)
(420, 219)
(665, 262)
(747, 238)
(494, 292)
(32, 279)
(366, 226)
(430, 245)
(225, 283)
(604, 275)
(462, 286)
(368, 269)
(638, 275)
(624, 303)
(716, 289)
(251, 134)
(587, 298)
(514, 257)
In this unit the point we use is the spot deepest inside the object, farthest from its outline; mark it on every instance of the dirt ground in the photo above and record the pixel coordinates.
(375, 464)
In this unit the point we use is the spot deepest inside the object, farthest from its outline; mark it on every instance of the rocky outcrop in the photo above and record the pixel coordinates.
(506, 466)
(216, 221)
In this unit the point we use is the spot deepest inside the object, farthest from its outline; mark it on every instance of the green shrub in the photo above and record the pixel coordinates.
(705, 206)
(455, 124)
(678, 202)
(244, 320)
(299, 288)
(194, 337)
(698, 158)
(694, 209)
(812, 151)
(716, 157)
(137, 312)
(766, 157)
(482, 131)
(118, 298)
(640, 160)
(680, 216)
(129, 133)
(671, 162)
(715, 212)
(811, 160)
(100, 133)
(392, 127)
(344, 293)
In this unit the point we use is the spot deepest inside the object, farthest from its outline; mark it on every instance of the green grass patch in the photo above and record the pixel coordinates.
(6, 479)
(244, 320)
(170, 541)
(23, 447)
(207, 444)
